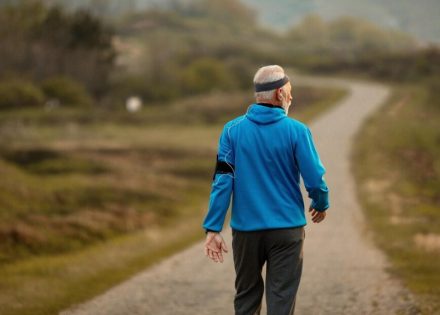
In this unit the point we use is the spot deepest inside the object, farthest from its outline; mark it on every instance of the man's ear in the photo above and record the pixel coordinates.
(279, 94)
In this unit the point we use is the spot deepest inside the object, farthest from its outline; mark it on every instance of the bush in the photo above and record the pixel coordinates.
(66, 90)
(205, 75)
(18, 93)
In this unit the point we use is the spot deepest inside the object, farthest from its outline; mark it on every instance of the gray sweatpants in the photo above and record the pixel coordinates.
(282, 250)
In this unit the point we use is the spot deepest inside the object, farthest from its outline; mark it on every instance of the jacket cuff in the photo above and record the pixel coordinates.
(320, 207)
(320, 198)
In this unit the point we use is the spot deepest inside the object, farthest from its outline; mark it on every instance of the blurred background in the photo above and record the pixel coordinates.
(110, 113)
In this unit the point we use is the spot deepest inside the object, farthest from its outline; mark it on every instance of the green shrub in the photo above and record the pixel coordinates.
(18, 93)
(66, 90)
(205, 75)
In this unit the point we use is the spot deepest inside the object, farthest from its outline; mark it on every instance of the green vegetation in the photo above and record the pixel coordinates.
(40, 42)
(209, 46)
(18, 93)
(396, 162)
(66, 91)
(417, 18)
(395, 67)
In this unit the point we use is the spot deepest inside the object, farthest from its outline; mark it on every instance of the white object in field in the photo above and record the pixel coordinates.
(133, 104)
(52, 104)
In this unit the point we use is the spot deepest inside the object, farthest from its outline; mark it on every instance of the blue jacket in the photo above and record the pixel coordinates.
(266, 151)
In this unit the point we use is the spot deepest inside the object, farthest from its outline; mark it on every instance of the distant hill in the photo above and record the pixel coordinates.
(103, 7)
(419, 18)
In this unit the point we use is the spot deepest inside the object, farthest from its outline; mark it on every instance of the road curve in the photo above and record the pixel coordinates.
(344, 273)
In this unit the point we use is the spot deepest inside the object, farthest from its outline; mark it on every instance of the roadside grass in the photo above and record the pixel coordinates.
(88, 199)
(47, 284)
(397, 166)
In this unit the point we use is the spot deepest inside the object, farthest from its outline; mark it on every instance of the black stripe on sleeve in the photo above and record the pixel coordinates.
(221, 167)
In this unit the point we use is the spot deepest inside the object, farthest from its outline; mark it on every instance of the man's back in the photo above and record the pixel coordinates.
(269, 150)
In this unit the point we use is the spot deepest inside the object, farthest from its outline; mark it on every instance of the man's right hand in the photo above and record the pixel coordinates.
(317, 216)
(215, 246)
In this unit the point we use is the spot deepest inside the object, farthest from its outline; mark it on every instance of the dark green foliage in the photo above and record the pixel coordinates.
(18, 93)
(204, 75)
(405, 66)
(43, 42)
(66, 91)
(88, 32)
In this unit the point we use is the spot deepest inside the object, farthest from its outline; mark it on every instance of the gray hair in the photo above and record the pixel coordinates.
(267, 74)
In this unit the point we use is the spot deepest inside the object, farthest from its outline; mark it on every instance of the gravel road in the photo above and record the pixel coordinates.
(344, 273)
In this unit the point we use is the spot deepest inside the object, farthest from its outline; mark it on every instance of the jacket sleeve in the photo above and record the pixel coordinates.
(222, 186)
(312, 170)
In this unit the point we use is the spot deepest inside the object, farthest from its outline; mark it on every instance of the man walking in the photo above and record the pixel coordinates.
(261, 156)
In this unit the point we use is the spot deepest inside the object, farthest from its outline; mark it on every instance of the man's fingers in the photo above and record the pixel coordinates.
(211, 254)
(315, 217)
(318, 217)
(220, 257)
(213, 247)
(224, 247)
(215, 255)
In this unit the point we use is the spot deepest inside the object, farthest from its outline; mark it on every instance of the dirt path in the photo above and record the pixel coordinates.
(343, 272)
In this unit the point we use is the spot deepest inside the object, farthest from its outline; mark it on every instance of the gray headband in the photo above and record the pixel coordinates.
(261, 87)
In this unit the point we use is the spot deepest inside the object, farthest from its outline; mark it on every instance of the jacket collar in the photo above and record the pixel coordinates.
(270, 105)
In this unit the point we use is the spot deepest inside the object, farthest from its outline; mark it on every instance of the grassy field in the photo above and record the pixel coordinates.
(397, 164)
(88, 199)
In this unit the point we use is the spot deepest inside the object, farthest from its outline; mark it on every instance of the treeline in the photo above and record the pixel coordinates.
(406, 66)
(351, 46)
(198, 46)
(185, 49)
(315, 41)
(191, 47)
(68, 55)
